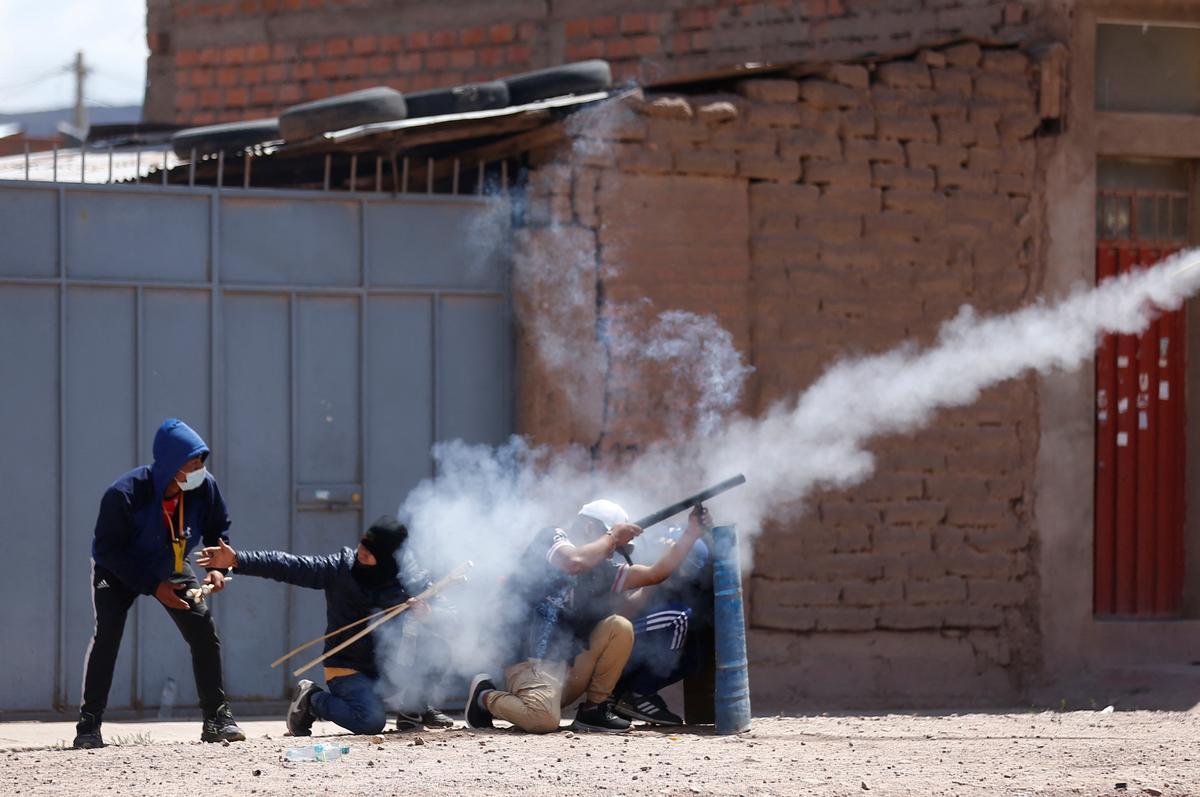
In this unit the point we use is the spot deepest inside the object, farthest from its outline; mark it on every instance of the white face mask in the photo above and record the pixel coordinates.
(193, 480)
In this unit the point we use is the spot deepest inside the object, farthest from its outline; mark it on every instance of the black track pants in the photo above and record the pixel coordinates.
(112, 600)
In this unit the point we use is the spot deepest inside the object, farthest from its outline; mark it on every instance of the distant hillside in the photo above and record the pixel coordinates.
(44, 123)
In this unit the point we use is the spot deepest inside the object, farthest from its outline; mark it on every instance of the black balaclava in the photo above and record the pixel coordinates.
(383, 539)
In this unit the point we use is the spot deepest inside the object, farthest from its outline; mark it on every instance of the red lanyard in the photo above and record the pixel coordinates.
(176, 533)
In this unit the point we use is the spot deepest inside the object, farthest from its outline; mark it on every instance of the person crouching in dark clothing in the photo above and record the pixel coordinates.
(357, 583)
(573, 640)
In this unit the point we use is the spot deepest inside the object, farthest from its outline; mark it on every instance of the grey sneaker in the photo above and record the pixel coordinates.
(300, 716)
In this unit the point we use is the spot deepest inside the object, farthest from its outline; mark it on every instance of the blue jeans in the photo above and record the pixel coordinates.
(350, 701)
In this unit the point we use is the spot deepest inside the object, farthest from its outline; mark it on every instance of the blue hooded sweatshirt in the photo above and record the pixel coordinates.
(132, 539)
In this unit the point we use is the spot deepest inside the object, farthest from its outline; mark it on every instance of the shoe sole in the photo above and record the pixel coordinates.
(640, 717)
(475, 682)
(581, 727)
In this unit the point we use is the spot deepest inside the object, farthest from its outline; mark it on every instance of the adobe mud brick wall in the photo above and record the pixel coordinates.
(214, 60)
(820, 218)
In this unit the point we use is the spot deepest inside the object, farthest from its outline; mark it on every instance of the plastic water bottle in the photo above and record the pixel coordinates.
(317, 752)
(166, 703)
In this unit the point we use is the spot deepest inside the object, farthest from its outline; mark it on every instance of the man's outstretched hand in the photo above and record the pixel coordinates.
(168, 595)
(221, 557)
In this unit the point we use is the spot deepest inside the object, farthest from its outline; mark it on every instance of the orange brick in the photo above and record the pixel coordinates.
(252, 75)
(437, 60)
(311, 50)
(473, 37)
(263, 95)
(354, 67)
(276, 73)
(187, 100)
(444, 38)
(604, 26)
(577, 28)
(409, 63)
(364, 45)
(227, 76)
(503, 33)
(491, 56)
(462, 59)
(258, 53)
(200, 78)
(380, 64)
(305, 70)
(391, 44)
(233, 56)
(520, 54)
(592, 49)
(237, 97)
(210, 98)
(289, 94)
(613, 48)
(647, 45)
(337, 46)
(329, 69)
(635, 23)
(695, 18)
(284, 51)
(187, 58)
(419, 40)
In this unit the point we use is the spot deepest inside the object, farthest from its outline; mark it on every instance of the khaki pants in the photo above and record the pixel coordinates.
(538, 689)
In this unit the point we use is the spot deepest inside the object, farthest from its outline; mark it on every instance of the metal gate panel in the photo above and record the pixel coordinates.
(1106, 455)
(475, 365)
(29, 373)
(246, 314)
(29, 230)
(174, 352)
(401, 420)
(101, 440)
(434, 244)
(256, 480)
(285, 242)
(327, 391)
(1139, 456)
(140, 237)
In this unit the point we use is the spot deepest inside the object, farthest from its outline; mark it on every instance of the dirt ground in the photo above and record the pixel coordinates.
(1088, 753)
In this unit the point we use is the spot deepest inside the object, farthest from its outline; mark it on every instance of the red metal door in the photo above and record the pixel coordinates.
(1140, 441)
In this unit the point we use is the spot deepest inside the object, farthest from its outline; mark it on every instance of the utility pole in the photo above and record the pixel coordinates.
(81, 120)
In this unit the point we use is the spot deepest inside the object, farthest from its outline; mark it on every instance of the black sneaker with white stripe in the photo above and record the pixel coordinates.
(300, 716)
(646, 708)
(598, 718)
(408, 721)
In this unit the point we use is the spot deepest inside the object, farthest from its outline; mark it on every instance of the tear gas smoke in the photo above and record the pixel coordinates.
(486, 503)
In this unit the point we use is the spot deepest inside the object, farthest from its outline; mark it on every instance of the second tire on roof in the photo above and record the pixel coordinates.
(311, 119)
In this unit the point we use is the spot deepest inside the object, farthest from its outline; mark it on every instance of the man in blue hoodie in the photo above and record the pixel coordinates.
(150, 519)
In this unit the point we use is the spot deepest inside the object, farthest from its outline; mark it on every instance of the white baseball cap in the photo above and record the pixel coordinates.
(607, 512)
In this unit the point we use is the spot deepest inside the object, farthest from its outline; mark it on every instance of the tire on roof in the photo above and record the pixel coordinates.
(581, 77)
(459, 99)
(311, 119)
(228, 137)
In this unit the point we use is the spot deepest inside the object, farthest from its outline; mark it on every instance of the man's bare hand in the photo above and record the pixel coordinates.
(699, 521)
(217, 579)
(221, 557)
(419, 608)
(624, 533)
(168, 595)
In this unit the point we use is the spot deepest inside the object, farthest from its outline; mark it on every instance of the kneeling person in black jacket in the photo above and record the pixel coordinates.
(357, 583)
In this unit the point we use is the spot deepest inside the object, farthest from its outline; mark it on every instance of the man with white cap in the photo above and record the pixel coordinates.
(573, 641)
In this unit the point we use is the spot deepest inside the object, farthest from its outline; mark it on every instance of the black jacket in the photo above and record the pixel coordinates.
(345, 600)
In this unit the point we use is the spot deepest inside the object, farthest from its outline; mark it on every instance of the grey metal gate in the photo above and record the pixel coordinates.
(320, 343)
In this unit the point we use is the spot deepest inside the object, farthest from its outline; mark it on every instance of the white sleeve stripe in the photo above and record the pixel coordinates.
(619, 581)
(560, 539)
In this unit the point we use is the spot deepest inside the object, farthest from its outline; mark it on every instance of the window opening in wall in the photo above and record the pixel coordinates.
(1143, 212)
(1143, 68)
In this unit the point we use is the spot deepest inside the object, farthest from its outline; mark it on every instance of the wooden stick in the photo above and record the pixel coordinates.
(346, 627)
(458, 575)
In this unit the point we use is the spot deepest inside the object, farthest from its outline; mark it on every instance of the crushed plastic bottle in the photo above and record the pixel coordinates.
(166, 702)
(317, 752)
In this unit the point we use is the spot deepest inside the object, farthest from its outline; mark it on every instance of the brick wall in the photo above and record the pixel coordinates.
(820, 217)
(218, 61)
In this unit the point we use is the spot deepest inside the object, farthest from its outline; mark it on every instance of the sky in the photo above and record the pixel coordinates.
(38, 41)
